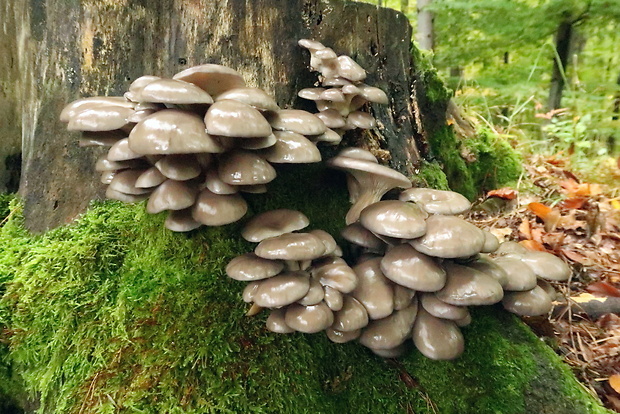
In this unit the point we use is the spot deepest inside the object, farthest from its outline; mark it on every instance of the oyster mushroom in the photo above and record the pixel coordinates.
(437, 201)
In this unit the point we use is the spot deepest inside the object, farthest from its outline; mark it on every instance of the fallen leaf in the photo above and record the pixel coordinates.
(603, 288)
(506, 193)
(576, 257)
(525, 229)
(533, 245)
(573, 203)
(539, 209)
(614, 381)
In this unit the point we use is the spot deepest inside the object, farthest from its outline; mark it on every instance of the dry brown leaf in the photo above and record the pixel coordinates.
(614, 381)
(533, 245)
(525, 229)
(573, 203)
(576, 257)
(603, 288)
(539, 209)
(506, 193)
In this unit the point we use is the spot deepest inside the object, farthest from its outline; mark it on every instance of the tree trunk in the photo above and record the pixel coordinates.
(426, 32)
(560, 62)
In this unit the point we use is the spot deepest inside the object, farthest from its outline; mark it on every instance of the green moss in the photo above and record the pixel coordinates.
(116, 314)
(431, 175)
(5, 200)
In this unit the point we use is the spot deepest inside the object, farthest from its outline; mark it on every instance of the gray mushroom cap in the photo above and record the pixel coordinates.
(407, 267)
(315, 294)
(351, 317)
(491, 243)
(120, 151)
(79, 105)
(181, 221)
(436, 338)
(466, 287)
(276, 323)
(214, 183)
(255, 97)
(373, 290)
(449, 237)
(230, 118)
(281, 290)
(331, 247)
(486, 265)
(291, 246)
(532, 302)
(403, 297)
(172, 131)
(510, 247)
(335, 273)
(125, 198)
(437, 201)
(151, 177)
(333, 298)
(291, 148)
(340, 337)
(359, 235)
(309, 319)
(240, 167)
(391, 331)
(296, 120)
(439, 309)
(179, 167)
(394, 218)
(214, 79)
(520, 276)
(249, 267)
(362, 120)
(95, 117)
(172, 91)
(350, 69)
(171, 195)
(213, 209)
(547, 266)
(273, 223)
(125, 182)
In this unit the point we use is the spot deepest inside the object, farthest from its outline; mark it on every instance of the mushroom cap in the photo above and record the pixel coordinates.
(181, 221)
(273, 223)
(276, 323)
(372, 94)
(254, 143)
(340, 337)
(309, 319)
(449, 237)
(216, 185)
(291, 246)
(487, 266)
(391, 331)
(332, 118)
(213, 209)
(281, 290)
(403, 297)
(407, 267)
(335, 273)
(466, 286)
(359, 235)
(137, 85)
(172, 91)
(392, 353)
(310, 44)
(510, 247)
(236, 119)
(351, 317)
(332, 94)
(330, 136)
(291, 147)
(333, 298)
(171, 195)
(240, 167)
(373, 290)
(104, 164)
(125, 182)
(171, 131)
(101, 138)
(151, 177)
(350, 69)
(296, 120)
(106, 177)
(520, 276)
(97, 117)
(79, 105)
(491, 243)
(214, 79)
(436, 338)
(547, 266)
(180, 167)
(312, 94)
(394, 218)
(331, 247)
(358, 153)
(533, 302)
(439, 309)
(125, 198)
(315, 294)
(250, 267)
(358, 119)
(120, 151)
(255, 97)
(437, 201)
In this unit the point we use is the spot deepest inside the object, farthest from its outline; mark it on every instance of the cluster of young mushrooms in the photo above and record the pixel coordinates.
(193, 143)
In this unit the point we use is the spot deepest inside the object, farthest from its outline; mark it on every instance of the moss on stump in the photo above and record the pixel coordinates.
(113, 313)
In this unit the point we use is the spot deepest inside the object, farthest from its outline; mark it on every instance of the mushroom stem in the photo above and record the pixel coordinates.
(364, 200)
(254, 310)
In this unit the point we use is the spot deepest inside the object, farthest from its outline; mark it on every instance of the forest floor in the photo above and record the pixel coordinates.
(554, 210)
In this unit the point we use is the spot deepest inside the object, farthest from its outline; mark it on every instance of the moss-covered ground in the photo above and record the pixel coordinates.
(115, 314)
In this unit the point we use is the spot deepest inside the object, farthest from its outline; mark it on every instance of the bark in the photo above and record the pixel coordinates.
(426, 32)
(560, 61)
(60, 51)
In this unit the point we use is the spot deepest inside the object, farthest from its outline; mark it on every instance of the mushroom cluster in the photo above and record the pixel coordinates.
(193, 143)
(342, 92)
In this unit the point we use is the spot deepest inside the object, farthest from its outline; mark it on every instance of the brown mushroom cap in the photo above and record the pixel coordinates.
(180, 167)
(172, 131)
(520, 276)
(296, 120)
(181, 221)
(311, 94)
(403, 297)
(240, 167)
(437, 201)
(214, 79)
(101, 138)
(255, 97)
(350, 69)
(291, 147)
(394, 218)
(309, 319)
(276, 323)
(273, 223)
(315, 294)
(281, 290)
(120, 151)
(104, 164)
(510, 247)
(333, 298)
(547, 266)
(359, 235)
(487, 266)
(372, 94)
(332, 118)
(214, 183)
(449, 237)
(77, 106)
(125, 198)
(340, 337)
(335, 273)
(390, 332)
(291, 246)
(407, 267)
(125, 182)
(358, 119)
(151, 177)
(351, 317)
(230, 118)
(249, 267)
(331, 247)
(439, 309)
(436, 338)
(466, 286)
(213, 209)
(373, 290)
(96, 117)
(532, 302)
(171, 195)
(172, 91)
